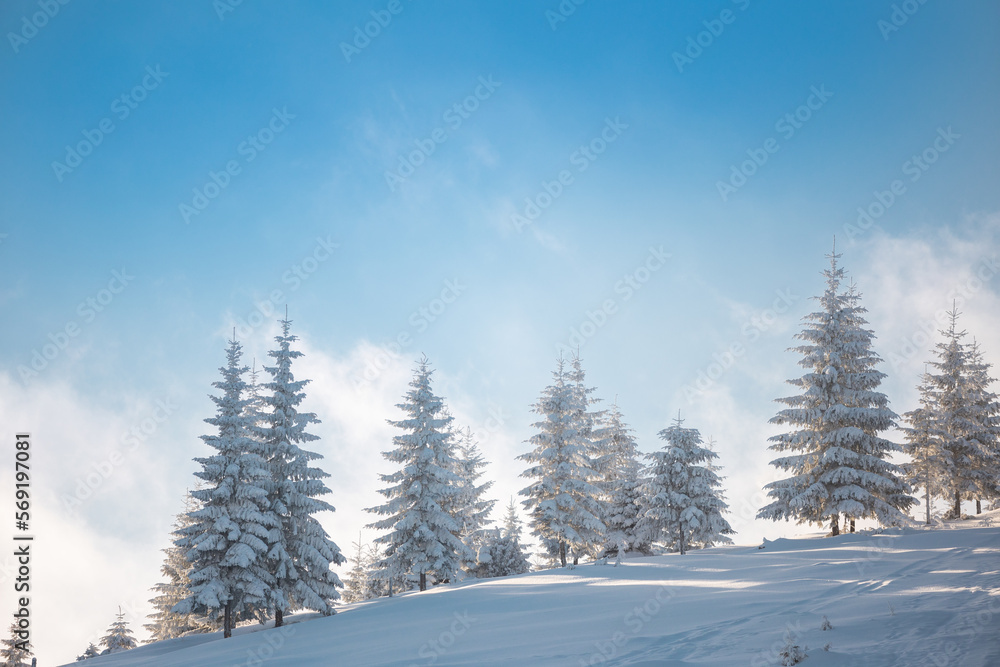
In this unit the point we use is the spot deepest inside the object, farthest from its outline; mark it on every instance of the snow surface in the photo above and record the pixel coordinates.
(904, 597)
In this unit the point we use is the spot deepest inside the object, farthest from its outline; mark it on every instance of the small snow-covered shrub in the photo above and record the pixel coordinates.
(826, 625)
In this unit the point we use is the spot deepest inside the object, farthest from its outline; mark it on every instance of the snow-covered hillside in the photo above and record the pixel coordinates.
(905, 597)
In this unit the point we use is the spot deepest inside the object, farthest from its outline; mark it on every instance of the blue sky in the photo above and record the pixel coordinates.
(329, 129)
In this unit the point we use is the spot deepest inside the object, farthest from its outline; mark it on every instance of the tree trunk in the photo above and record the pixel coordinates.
(852, 525)
(576, 559)
(227, 621)
(835, 524)
(979, 507)
(423, 581)
(682, 540)
(927, 499)
(957, 509)
(562, 553)
(279, 618)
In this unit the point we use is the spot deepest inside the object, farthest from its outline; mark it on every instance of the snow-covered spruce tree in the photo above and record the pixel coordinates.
(958, 397)
(424, 538)
(90, 652)
(562, 501)
(16, 651)
(165, 623)
(987, 432)
(362, 582)
(596, 437)
(500, 555)
(924, 447)
(119, 637)
(472, 508)
(683, 498)
(512, 522)
(621, 483)
(300, 553)
(226, 539)
(835, 456)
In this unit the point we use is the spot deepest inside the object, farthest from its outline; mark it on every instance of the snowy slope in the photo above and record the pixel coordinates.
(905, 597)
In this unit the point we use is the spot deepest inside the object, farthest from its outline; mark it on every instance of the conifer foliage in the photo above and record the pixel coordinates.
(16, 651)
(684, 505)
(119, 637)
(299, 551)
(226, 539)
(835, 455)
(424, 538)
(621, 485)
(165, 623)
(562, 500)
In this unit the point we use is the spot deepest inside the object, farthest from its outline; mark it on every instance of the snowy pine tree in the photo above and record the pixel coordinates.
(600, 458)
(424, 538)
(684, 504)
(90, 652)
(512, 522)
(562, 501)
(500, 555)
(986, 415)
(300, 553)
(226, 540)
(963, 420)
(924, 446)
(837, 459)
(165, 623)
(16, 651)
(119, 637)
(622, 485)
(362, 582)
(472, 509)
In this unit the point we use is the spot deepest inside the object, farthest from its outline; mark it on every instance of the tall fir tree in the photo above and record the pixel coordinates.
(473, 508)
(300, 552)
(424, 538)
(986, 416)
(226, 539)
(684, 504)
(512, 522)
(119, 636)
(358, 584)
(16, 651)
(621, 485)
(562, 500)
(165, 623)
(500, 555)
(836, 457)
(959, 399)
(924, 447)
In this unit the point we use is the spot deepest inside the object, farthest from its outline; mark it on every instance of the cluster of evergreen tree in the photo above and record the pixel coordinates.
(838, 461)
(248, 546)
(590, 496)
(953, 437)
(435, 514)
